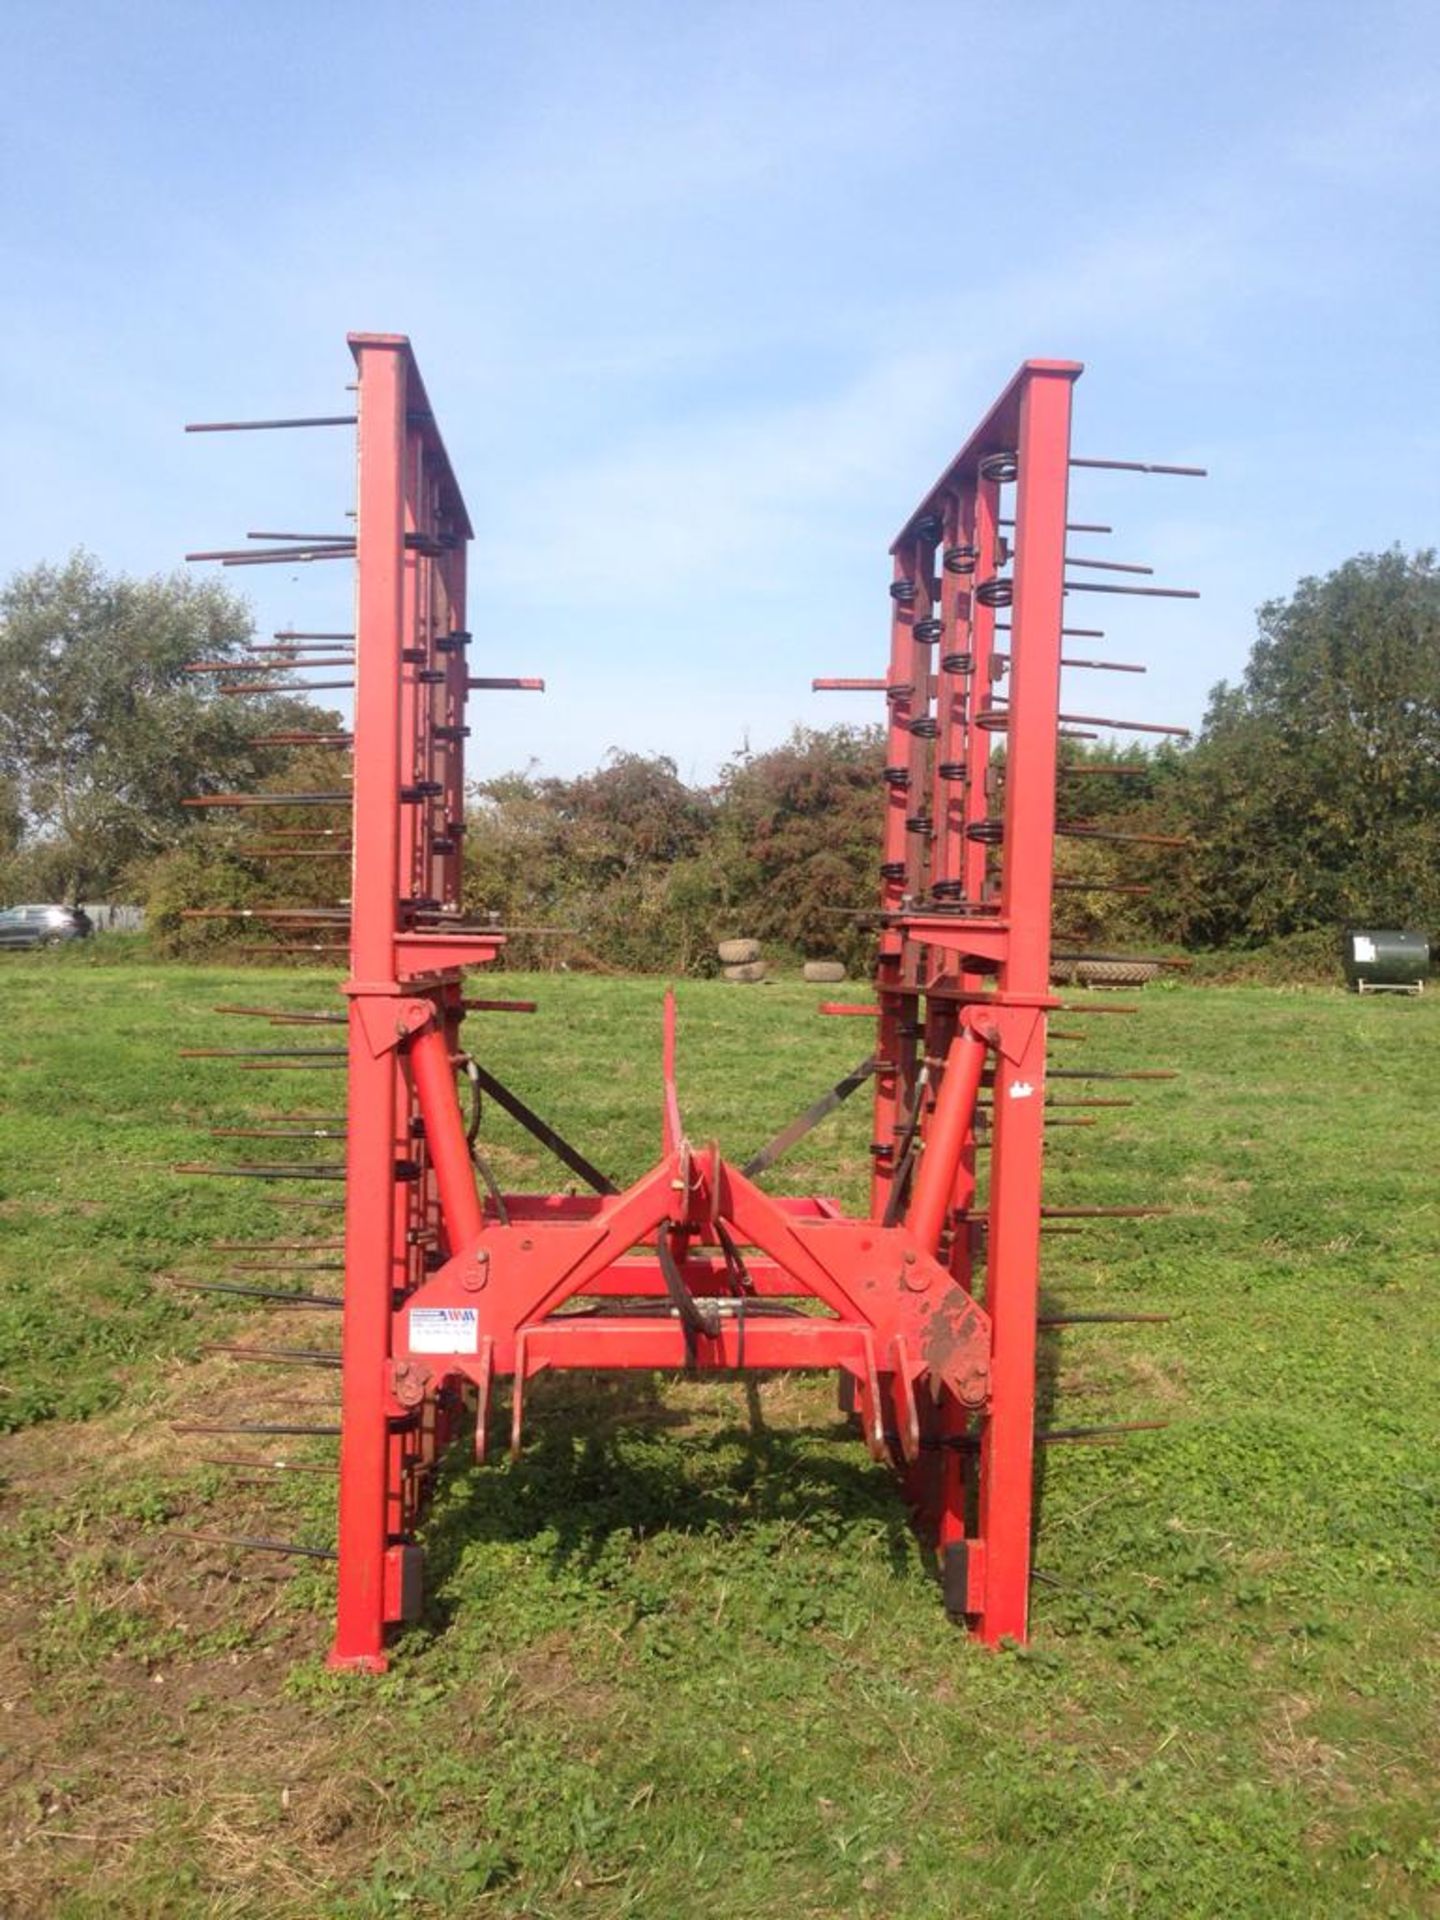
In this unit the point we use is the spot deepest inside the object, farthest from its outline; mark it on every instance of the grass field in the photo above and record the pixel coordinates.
(683, 1660)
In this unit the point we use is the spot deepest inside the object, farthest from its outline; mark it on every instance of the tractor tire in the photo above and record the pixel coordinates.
(738, 953)
(1115, 973)
(748, 974)
(824, 973)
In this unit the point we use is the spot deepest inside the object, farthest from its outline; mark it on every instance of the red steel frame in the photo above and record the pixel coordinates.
(927, 1308)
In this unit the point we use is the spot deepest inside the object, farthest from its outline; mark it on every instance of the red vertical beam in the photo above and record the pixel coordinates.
(982, 645)
(372, 1108)
(895, 1050)
(1007, 1443)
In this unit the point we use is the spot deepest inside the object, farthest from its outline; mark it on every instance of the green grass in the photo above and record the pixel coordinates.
(683, 1660)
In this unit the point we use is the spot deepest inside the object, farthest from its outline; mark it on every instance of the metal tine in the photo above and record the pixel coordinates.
(314, 912)
(276, 1246)
(310, 833)
(293, 663)
(305, 686)
(1100, 886)
(254, 1546)
(307, 1201)
(276, 1133)
(276, 1296)
(263, 1466)
(297, 739)
(288, 1266)
(1094, 666)
(288, 1429)
(1140, 466)
(500, 1006)
(1107, 566)
(1051, 1101)
(504, 684)
(1077, 1006)
(1091, 830)
(262, 1053)
(1149, 593)
(284, 1016)
(1113, 1073)
(307, 539)
(271, 426)
(287, 634)
(254, 556)
(1066, 633)
(1087, 1213)
(1125, 726)
(338, 798)
(1072, 526)
(276, 1172)
(1051, 1436)
(275, 1356)
(1104, 1319)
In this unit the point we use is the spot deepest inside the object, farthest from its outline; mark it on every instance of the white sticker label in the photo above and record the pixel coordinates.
(1020, 1089)
(444, 1329)
(1364, 948)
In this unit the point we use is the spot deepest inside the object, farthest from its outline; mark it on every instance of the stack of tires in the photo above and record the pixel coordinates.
(740, 962)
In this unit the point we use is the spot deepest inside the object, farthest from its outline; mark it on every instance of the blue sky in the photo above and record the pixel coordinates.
(705, 296)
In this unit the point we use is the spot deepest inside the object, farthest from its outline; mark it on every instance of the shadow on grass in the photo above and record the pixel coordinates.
(607, 1458)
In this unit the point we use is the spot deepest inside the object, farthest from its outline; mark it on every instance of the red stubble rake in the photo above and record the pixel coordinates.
(927, 1307)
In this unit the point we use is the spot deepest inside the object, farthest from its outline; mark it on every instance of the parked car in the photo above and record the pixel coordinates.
(43, 926)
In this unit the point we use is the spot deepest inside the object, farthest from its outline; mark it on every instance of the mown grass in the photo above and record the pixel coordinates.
(683, 1660)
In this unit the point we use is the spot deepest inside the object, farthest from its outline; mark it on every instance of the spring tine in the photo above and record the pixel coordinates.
(1103, 666)
(1109, 1073)
(260, 1053)
(832, 685)
(1148, 593)
(286, 1267)
(1049, 1436)
(277, 1356)
(277, 1246)
(276, 1133)
(504, 684)
(339, 798)
(254, 1546)
(1123, 726)
(287, 634)
(1072, 1006)
(1140, 466)
(306, 539)
(299, 739)
(306, 686)
(1104, 1319)
(500, 1006)
(1098, 886)
(277, 1172)
(255, 1426)
(1107, 566)
(284, 1016)
(270, 426)
(275, 1294)
(1072, 526)
(292, 663)
(262, 1466)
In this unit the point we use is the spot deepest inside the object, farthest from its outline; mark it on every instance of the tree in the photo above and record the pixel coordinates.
(1315, 785)
(103, 731)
